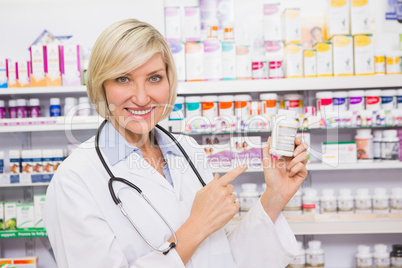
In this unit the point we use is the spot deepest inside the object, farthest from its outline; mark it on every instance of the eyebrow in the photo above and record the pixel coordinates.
(157, 71)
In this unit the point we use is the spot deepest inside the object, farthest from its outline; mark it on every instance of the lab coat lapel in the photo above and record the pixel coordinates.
(177, 172)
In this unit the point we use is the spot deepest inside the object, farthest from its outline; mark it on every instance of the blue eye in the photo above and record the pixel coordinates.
(155, 78)
(122, 79)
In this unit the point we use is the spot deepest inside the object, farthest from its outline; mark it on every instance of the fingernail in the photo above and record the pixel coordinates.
(244, 166)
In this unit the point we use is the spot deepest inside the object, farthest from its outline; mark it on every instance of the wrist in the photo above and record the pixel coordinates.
(272, 204)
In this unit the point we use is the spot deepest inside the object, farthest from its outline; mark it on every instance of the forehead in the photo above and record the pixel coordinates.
(153, 64)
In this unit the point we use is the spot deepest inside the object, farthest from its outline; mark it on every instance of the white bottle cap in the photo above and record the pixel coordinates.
(399, 92)
(193, 99)
(390, 133)
(12, 103)
(292, 97)
(249, 186)
(362, 191)
(226, 98)
(345, 192)
(34, 102)
(377, 133)
(328, 192)
(209, 98)
(388, 92)
(324, 95)
(268, 96)
(363, 249)
(21, 102)
(380, 248)
(380, 191)
(374, 92)
(83, 100)
(179, 99)
(314, 244)
(356, 93)
(54, 101)
(363, 133)
(340, 94)
(242, 97)
(70, 101)
(2, 103)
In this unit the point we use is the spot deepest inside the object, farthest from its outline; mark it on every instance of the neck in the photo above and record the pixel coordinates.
(142, 141)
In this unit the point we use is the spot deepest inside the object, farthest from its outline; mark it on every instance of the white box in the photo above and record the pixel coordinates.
(179, 57)
(25, 216)
(274, 50)
(12, 73)
(310, 63)
(194, 61)
(70, 65)
(293, 61)
(172, 24)
(364, 54)
(3, 73)
(338, 18)
(324, 59)
(192, 24)
(272, 22)
(39, 204)
(212, 60)
(228, 61)
(360, 17)
(23, 69)
(243, 63)
(292, 25)
(38, 78)
(343, 55)
(339, 152)
(52, 65)
(10, 215)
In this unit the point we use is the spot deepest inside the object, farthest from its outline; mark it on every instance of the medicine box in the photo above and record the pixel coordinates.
(324, 59)
(212, 60)
(246, 150)
(243, 63)
(3, 73)
(22, 262)
(293, 61)
(1, 216)
(228, 61)
(52, 65)
(291, 25)
(338, 21)
(12, 73)
(10, 215)
(274, 50)
(38, 77)
(23, 73)
(364, 54)
(25, 216)
(194, 61)
(179, 56)
(70, 59)
(310, 63)
(339, 152)
(172, 24)
(39, 204)
(360, 17)
(192, 24)
(272, 22)
(343, 55)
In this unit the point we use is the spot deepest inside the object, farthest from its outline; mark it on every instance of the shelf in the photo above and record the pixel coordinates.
(42, 90)
(25, 179)
(276, 85)
(23, 233)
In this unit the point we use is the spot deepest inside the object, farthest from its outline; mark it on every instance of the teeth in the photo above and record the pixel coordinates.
(138, 112)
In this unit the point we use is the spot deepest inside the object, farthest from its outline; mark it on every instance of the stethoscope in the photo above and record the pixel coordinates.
(132, 185)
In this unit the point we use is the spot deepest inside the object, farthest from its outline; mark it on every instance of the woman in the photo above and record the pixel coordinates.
(132, 83)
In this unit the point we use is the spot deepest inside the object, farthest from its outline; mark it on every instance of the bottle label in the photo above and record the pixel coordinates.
(371, 100)
(355, 100)
(380, 205)
(339, 101)
(345, 206)
(363, 206)
(299, 261)
(364, 262)
(246, 203)
(381, 262)
(315, 260)
(328, 206)
(396, 262)
(390, 150)
(396, 205)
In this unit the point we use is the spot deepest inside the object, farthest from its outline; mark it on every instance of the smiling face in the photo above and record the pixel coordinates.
(137, 99)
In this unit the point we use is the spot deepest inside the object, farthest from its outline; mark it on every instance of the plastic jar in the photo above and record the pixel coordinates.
(363, 201)
(380, 201)
(276, 68)
(311, 201)
(399, 99)
(269, 103)
(283, 134)
(324, 101)
(178, 109)
(396, 256)
(84, 106)
(70, 106)
(2, 110)
(364, 259)
(328, 201)
(314, 254)
(393, 62)
(259, 68)
(210, 107)
(12, 109)
(395, 200)
(248, 197)
(293, 102)
(373, 99)
(22, 111)
(356, 100)
(388, 99)
(381, 256)
(34, 108)
(193, 107)
(228, 33)
(212, 28)
(364, 144)
(295, 204)
(377, 145)
(345, 201)
(390, 145)
(55, 109)
(379, 62)
(242, 109)
(340, 101)
(300, 259)
(226, 106)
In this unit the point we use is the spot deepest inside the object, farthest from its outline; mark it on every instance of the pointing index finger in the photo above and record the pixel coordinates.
(231, 175)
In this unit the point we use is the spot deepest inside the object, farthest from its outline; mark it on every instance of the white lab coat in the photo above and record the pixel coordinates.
(87, 229)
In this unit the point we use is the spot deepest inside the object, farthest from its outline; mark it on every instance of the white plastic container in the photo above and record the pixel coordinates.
(284, 134)
(242, 109)
(210, 109)
(390, 145)
(388, 99)
(248, 197)
(364, 259)
(340, 101)
(84, 106)
(364, 144)
(176, 117)
(259, 68)
(34, 108)
(377, 145)
(295, 205)
(293, 102)
(268, 103)
(381, 256)
(396, 200)
(314, 254)
(172, 24)
(194, 61)
(226, 105)
(380, 201)
(179, 57)
(70, 106)
(373, 99)
(310, 63)
(399, 99)
(356, 100)
(193, 107)
(300, 259)
(328, 201)
(311, 202)
(324, 101)
(363, 201)
(243, 63)
(345, 201)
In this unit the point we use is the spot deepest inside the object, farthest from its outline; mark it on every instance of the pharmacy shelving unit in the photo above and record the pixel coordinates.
(23, 233)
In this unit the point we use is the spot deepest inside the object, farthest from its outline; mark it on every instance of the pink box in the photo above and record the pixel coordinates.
(23, 73)
(71, 65)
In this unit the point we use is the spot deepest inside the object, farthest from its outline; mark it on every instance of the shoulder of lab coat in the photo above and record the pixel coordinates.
(75, 224)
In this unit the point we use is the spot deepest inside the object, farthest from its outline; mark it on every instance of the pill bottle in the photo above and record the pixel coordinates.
(314, 254)
(259, 67)
(226, 105)
(84, 106)
(399, 98)
(283, 134)
(228, 32)
(340, 101)
(377, 145)
(178, 110)
(268, 103)
(248, 197)
(22, 111)
(380, 201)
(311, 201)
(242, 109)
(26, 161)
(363, 201)
(379, 62)
(393, 63)
(34, 108)
(328, 201)
(364, 259)
(193, 107)
(70, 106)
(295, 205)
(47, 161)
(212, 28)
(388, 99)
(57, 158)
(293, 102)
(396, 256)
(390, 145)
(12, 109)
(15, 161)
(364, 144)
(324, 101)
(55, 109)
(2, 109)
(395, 200)
(373, 99)
(300, 260)
(210, 109)
(356, 100)
(345, 201)
(1, 162)
(276, 68)
(381, 256)
(37, 166)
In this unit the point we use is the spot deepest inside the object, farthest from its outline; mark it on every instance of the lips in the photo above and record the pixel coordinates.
(140, 111)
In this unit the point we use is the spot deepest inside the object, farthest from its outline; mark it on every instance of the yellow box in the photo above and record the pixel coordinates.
(363, 54)
(338, 21)
(310, 63)
(324, 59)
(293, 61)
(342, 49)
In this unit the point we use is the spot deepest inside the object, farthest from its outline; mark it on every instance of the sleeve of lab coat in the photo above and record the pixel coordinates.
(80, 236)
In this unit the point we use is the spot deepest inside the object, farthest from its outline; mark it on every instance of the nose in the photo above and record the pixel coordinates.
(140, 95)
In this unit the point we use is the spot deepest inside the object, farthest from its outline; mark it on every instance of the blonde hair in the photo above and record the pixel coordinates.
(122, 47)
